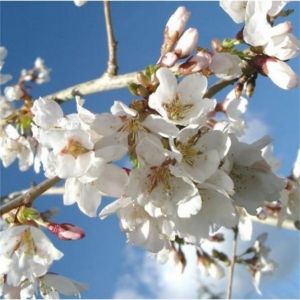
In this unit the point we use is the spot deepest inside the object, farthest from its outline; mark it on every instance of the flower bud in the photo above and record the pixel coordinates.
(198, 62)
(169, 59)
(177, 22)
(180, 259)
(278, 71)
(216, 45)
(187, 43)
(208, 266)
(66, 231)
(13, 93)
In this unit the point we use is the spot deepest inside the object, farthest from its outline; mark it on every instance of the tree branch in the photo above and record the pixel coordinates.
(112, 66)
(104, 83)
(28, 197)
(232, 264)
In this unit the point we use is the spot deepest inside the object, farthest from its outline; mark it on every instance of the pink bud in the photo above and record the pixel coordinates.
(196, 63)
(278, 71)
(169, 59)
(177, 22)
(187, 43)
(66, 231)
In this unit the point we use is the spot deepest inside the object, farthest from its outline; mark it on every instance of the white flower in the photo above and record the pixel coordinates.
(276, 41)
(234, 109)
(177, 22)
(181, 104)
(283, 46)
(52, 284)
(68, 139)
(155, 186)
(141, 229)
(217, 210)
(46, 113)
(101, 179)
(201, 154)
(125, 126)
(226, 66)
(253, 178)
(14, 146)
(235, 9)
(72, 150)
(25, 253)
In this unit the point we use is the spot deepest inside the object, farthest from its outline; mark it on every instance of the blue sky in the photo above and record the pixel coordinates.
(72, 41)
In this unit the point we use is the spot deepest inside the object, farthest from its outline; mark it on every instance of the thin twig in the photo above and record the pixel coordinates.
(232, 264)
(112, 66)
(29, 196)
(217, 87)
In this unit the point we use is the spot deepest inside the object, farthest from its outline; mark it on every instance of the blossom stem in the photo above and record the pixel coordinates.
(217, 87)
(29, 196)
(112, 66)
(232, 264)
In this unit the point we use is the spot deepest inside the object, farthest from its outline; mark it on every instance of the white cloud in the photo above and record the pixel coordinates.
(144, 277)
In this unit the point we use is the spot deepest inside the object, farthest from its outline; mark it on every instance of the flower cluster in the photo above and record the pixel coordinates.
(275, 44)
(190, 174)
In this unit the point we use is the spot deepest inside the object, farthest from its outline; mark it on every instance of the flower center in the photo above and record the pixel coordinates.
(28, 243)
(159, 175)
(188, 152)
(74, 148)
(176, 109)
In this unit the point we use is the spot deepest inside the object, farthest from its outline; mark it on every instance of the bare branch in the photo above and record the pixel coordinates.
(112, 66)
(232, 264)
(104, 83)
(28, 197)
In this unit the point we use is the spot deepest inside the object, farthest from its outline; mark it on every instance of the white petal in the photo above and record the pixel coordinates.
(192, 88)
(121, 109)
(112, 180)
(158, 125)
(150, 151)
(189, 207)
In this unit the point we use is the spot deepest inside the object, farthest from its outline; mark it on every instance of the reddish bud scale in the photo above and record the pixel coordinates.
(127, 171)
(66, 231)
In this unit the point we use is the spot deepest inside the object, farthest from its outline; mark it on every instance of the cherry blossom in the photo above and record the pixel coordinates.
(181, 103)
(26, 253)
